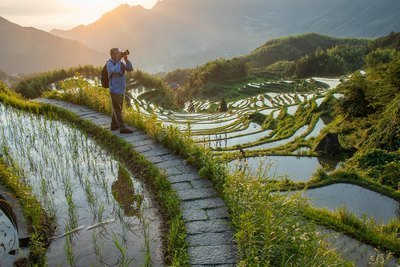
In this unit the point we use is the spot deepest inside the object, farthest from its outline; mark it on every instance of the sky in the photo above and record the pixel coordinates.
(61, 14)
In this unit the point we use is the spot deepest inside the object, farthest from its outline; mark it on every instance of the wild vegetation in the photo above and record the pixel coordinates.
(368, 118)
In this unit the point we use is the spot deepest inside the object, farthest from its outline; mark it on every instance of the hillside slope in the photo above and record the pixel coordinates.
(27, 50)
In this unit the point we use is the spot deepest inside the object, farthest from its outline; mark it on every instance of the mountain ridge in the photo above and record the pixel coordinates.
(177, 33)
(27, 45)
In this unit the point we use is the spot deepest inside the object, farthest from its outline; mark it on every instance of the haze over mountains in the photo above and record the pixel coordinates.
(27, 50)
(183, 33)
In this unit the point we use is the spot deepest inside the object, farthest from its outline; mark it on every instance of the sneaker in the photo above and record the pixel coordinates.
(126, 131)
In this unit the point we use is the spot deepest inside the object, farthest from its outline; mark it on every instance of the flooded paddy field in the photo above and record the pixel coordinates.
(103, 215)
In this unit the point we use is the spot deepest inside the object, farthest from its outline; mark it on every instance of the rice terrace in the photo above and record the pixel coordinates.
(288, 155)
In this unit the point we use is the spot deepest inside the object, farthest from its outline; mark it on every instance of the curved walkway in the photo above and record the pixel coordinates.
(209, 234)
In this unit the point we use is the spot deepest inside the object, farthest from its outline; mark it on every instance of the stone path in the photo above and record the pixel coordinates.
(210, 236)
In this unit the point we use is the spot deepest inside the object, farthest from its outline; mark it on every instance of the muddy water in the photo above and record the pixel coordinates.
(104, 216)
(297, 169)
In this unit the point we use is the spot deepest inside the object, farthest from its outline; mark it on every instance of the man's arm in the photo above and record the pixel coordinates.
(128, 65)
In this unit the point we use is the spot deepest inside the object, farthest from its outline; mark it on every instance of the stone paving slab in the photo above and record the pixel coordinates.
(184, 177)
(170, 164)
(143, 143)
(172, 171)
(155, 159)
(155, 153)
(182, 186)
(200, 204)
(201, 193)
(218, 213)
(194, 215)
(210, 236)
(211, 239)
(201, 183)
(212, 255)
(208, 226)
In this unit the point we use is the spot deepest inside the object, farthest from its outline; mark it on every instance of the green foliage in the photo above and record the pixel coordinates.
(292, 48)
(391, 41)
(198, 81)
(379, 56)
(258, 118)
(282, 67)
(180, 76)
(371, 111)
(385, 134)
(271, 230)
(335, 61)
(380, 165)
(147, 80)
(35, 85)
(354, 103)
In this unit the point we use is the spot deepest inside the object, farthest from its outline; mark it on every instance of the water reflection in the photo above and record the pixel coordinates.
(358, 200)
(123, 191)
(297, 169)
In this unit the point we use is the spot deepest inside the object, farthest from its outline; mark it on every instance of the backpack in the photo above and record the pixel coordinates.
(105, 80)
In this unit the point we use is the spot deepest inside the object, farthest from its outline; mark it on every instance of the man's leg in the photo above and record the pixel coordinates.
(114, 123)
(117, 104)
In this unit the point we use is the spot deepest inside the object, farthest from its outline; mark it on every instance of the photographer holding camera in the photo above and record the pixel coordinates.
(117, 82)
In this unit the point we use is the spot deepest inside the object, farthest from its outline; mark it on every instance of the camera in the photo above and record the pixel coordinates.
(125, 53)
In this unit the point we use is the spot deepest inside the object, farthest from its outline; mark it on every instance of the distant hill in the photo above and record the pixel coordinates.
(292, 48)
(28, 50)
(181, 33)
(305, 55)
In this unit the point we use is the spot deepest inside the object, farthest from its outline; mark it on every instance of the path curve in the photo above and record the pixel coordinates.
(209, 231)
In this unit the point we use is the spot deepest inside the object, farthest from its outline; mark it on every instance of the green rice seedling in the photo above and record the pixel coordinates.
(124, 260)
(69, 249)
(97, 248)
(100, 212)
(90, 196)
(72, 213)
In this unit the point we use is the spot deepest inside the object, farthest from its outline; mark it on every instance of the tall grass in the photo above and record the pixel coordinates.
(271, 230)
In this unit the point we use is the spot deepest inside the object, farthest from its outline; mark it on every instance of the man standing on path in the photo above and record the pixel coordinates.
(116, 74)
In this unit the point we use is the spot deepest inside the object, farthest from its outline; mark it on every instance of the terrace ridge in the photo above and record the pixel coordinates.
(210, 237)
